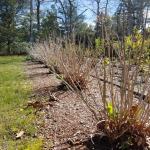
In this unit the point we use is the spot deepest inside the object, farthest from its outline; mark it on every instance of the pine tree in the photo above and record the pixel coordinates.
(8, 30)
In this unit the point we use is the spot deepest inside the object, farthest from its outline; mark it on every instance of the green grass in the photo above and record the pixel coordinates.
(14, 117)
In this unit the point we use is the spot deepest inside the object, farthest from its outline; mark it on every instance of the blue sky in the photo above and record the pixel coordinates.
(90, 5)
(90, 16)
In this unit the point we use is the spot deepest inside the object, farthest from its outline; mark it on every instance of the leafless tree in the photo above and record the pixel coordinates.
(134, 13)
(68, 14)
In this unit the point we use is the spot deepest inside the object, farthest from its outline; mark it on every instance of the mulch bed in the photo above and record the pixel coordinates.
(64, 124)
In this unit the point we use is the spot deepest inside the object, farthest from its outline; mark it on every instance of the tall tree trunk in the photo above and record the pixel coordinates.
(98, 19)
(31, 21)
(38, 15)
(97, 11)
(70, 18)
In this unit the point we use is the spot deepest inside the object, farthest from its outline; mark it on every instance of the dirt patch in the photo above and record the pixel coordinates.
(67, 122)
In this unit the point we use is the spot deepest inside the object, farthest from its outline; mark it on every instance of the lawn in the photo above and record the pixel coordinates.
(14, 116)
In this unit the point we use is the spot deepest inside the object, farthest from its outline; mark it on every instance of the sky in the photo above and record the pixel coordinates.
(90, 17)
(91, 6)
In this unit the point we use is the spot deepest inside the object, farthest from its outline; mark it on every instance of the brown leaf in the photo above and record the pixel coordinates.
(35, 104)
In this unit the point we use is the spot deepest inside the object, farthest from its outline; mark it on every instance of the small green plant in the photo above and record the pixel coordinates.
(99, 43)
(112, 113)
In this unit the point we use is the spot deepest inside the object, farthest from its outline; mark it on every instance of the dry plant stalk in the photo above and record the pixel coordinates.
(46, 52)
(66, 60)
(75, 66)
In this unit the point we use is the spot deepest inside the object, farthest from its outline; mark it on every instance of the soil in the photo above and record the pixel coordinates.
(65, 123)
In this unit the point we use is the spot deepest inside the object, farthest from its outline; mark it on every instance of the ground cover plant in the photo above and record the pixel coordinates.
(17, 128)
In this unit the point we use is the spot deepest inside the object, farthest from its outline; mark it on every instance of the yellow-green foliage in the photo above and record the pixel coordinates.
(137, 47)
(110, 109)
(112, 113)
(147, 51)
(134, 41)
(106, 61)
(14, 93)
(99, 43)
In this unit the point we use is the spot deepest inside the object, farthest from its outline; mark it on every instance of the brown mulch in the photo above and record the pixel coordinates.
(63, 123)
